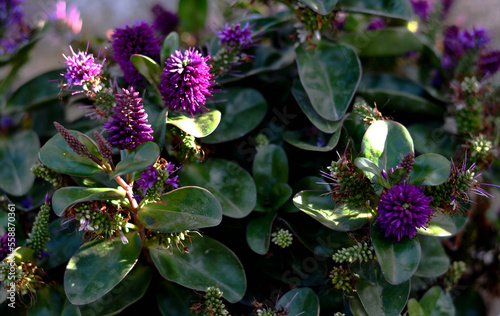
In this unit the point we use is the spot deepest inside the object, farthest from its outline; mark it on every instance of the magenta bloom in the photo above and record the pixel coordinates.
(403, 209)
(376, 24)
(236, 37)
(421, 8)
(186, 82)
(129, 127)
(148, 178)
(139, 39)
(81, 68)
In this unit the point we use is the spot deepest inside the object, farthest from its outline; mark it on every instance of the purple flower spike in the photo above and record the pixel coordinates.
(376, 24)
(148, 178)
(186, 82)
(164, 21)
(129, 127)
(403, 209)
(139, 39)
(235, 36)
(489, 63)
(421, 8)
(81, 68)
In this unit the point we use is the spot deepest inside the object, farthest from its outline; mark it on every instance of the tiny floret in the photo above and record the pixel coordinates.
(235, 36)
(82, 70)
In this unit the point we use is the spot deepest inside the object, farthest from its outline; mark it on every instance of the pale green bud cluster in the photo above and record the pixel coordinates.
(167, 240)
(339, 314)
(457, 269)
(25, 278)
(481, 147)
(213, 302)
(261, 140)
(341, 279)
(360, 252)
(224, 60)
(101, 223)
(49, 175)
(39, 235)
(470, 85)
(366, 113)
(282, 238)
(156, 191)
(266, 312)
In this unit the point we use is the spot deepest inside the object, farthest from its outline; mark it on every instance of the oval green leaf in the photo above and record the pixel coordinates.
(437, 302)
(270, 166)
(63, 243)
(139, 158)
(68, 196)
(173, 299)
(200, 125)
(242, 109)
(208, 263)
(369, 168)
(98, 267)
(231, 184)
(301, 301)
(337, 217)
(18, 153)
(430, 169)
(259, 232)
(398, 260)
(443, 225)
(322, 7)
(432, 138)
(435, 261)
(169, 46)
(298, 139)
(386, 143)
(390, 8)
(324, 125)
(192, 14)
(402, 102)
(148, 68)
(58, 156)
(186, 208)
(330, 75)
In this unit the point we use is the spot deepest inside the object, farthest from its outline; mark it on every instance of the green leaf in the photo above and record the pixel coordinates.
(357, 307)
(58, 156)
(18, 153)
(270, 166)
(400, 9)
(383, 42)
(322, 7)
(301, 301)
(200, 125)
(50, 300)
(324, 125)
(337, 217)
(432, 138)
(192, 14)
(280, 193)
(126, 293)
(414, 308)
(437, 302)
(430, 169)
(186, 208)
(139, 158)
(386, 143)
(242, 109)
(402, 102)
(443, 225)
(435, 261)
(398, 260)
(208, 263)
(379, 298)
(231, 184)
(330, 74)
(63, 243)
(300, 140)
(148, 68)
(98, 267)
(368, 167)
(168, 47)
(69, 196)
(173, 299)
(259, 232)
(159, 128)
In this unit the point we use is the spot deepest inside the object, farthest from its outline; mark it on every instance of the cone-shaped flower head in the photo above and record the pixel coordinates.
(403, 209)
(186, 82)
(235, 36)
(138, 39)
(164, 21)
(129, 127)
(82, 69)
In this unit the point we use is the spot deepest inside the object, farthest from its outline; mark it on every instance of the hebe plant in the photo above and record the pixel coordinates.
(203, 154)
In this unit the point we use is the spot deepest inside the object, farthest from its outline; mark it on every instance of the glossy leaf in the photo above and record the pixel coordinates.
(69, 196)
(50, 300)
(58, 156)
(139, 158)
(305, 105)
(379, 298)
(147, 67)
(159, 128)
(322, 7)
(402, 102)
(430, 169)
(437, 302)
(356, 306)
(242, 109)
(337, 217)
(432, 138)
(168, 47)
(173, 299)
(368, 167)
(386, 143)
(99, 266)
(63, 243)
(200, 125)
(259, 232)
(301, 301)
(208, 263)
(330, 74)
(443, 225)
(280, 193)
(435, 261)
(383, 42)
(18, 153)
(398, 260)
(127, 292)
(400, 9)
(414, 308)
(192, 14)
(185, 208)
(231, 184)
(296, 138)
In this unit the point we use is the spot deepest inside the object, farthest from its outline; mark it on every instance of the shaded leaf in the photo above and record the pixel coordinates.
(322, 7)
(192, 14)
(139, 158)
(301, 301)
(400, 9)
(435, 261)
(69, 196)
(148, 68)
(437, 302)
(430, 169)
(259, 232)
(168, 47)
(296, 138)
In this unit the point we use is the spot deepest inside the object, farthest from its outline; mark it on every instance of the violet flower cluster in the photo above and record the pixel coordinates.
(235, 36)
(164, 20)
(82, 70)
(13, 30)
